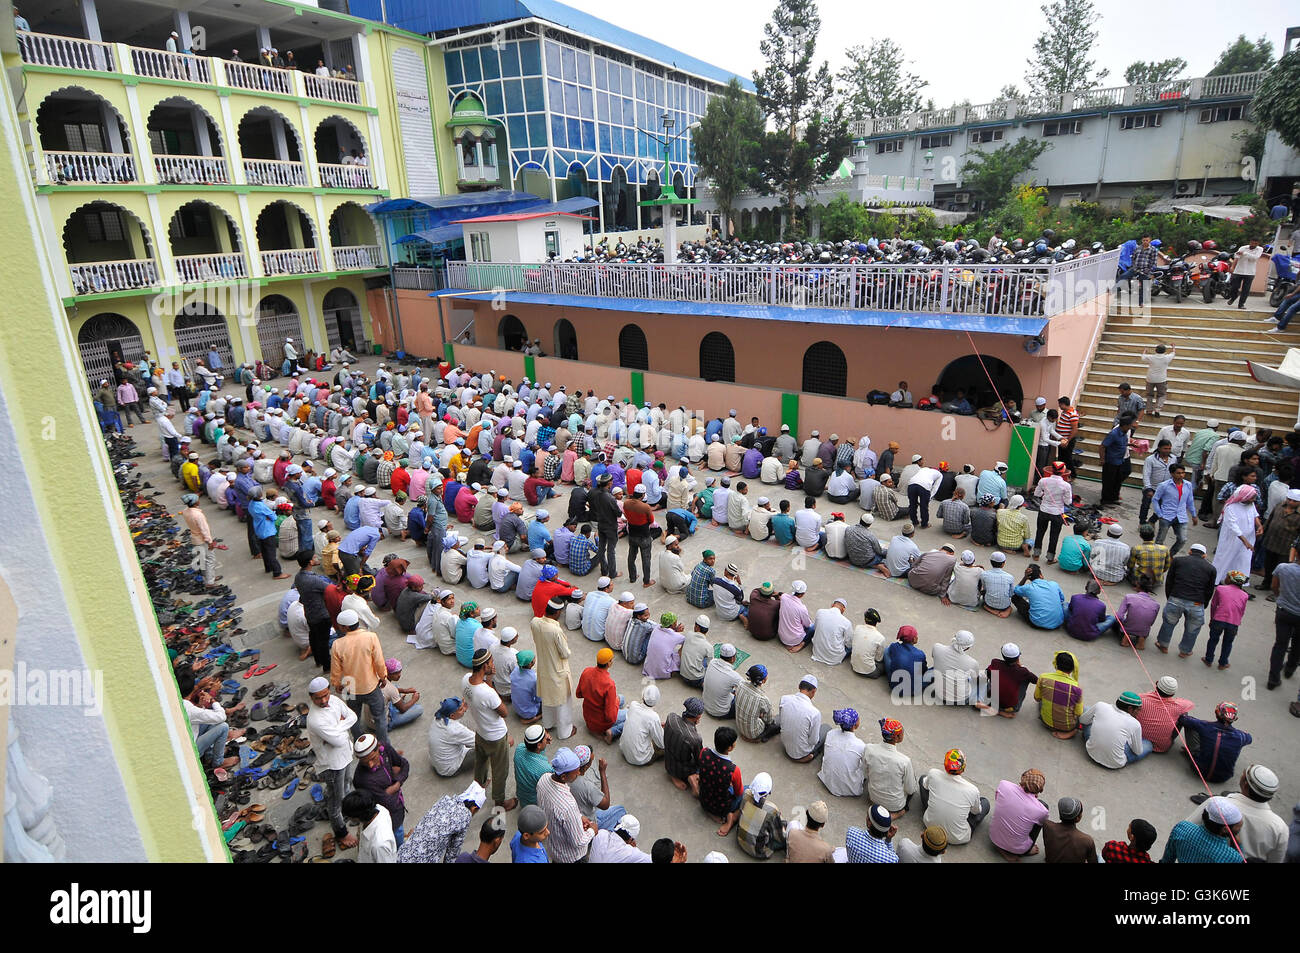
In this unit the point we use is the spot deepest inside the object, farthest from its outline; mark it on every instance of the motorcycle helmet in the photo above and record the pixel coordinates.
(1040, 248)
(1048, 235)
(1209, 245)
(1193, 247)
(1068, 245)
(1097, 248)
(1018, 245)
(1156, 243)
(824, 256)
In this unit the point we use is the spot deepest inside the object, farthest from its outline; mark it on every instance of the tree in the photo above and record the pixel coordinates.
(1009, 91)
(1155, 72)
(878, 83)
(728, 146)
(992, 174)
(842, 219)
(807, 143)
(1276, 104)
(1243, 56)
(1060, 62)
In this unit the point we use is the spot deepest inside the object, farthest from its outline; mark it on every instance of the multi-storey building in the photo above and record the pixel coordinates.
(200, 196)
(1183, 138)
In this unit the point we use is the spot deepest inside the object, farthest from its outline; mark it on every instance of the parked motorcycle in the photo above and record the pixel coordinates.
(1285, 280)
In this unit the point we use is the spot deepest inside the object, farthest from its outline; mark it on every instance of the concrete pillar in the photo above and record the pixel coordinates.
(112, 130)
(181, 19)
(638, 208)
(263, 41)
(278, 137)
(600, 203)
(90, 20)
(294, 221)
(201, 137)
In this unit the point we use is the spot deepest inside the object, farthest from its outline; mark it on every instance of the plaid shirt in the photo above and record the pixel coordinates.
(760, 831)
(1191, 843)
(862, 848)
(1149, 559)
(956, 516)
(551, 469)
(699, 592)
(885, 503)
(996, 586)
(581, 549)
(1110, 559)
(753, 711)
(1144, 261)
(1118, 852)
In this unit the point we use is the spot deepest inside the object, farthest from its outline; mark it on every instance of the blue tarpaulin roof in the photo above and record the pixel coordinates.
(435, 236)
(974, 323)
(425, 16)
(456, 201)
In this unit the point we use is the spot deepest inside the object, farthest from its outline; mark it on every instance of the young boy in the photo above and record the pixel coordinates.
(1226, 608)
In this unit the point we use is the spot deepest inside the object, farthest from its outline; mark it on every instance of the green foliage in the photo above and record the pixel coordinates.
(728, 144)
(1060, 62)
(992, 174)
(878, 82)
(1009, 91)
(1243, 56)
(1155, 72)
(809, 135)
(842, 219)
(1277, 102)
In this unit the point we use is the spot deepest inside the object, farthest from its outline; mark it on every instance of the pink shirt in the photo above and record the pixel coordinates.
(1015, 812)
(792, 620)
(1228, 604)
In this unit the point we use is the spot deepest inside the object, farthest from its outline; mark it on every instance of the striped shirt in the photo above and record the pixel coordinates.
(1067, 424)
(753, 711)
(569, 840)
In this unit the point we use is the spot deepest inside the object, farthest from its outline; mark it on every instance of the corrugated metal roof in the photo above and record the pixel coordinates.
(974, 323)
(426, 16)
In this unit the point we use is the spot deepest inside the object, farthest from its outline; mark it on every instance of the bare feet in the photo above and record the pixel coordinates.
(283, 575)
(304, 654)
(510, 804)
(649, 583)
(1007, 713)
(347, 842)
(677, 783)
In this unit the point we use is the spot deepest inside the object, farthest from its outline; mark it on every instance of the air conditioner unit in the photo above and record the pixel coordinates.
(962, 198)
(1185, 187)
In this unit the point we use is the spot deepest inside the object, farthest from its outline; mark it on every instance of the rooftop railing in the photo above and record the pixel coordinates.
(1038, 290)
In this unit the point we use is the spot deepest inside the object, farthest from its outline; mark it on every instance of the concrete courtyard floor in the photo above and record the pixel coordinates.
(996, 748)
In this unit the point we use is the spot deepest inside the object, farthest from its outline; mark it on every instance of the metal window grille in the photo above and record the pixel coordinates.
(632, 349)
(825, 370)
(717, 358)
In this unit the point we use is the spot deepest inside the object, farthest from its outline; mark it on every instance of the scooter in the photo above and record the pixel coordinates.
(1286, 279)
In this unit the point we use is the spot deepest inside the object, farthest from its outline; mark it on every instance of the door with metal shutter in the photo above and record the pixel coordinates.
(196, 332)
(100, 337)
(272, 328)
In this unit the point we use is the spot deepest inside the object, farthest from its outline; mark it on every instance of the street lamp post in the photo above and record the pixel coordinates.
(668, 198)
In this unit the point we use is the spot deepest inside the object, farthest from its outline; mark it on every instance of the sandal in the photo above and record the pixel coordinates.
(328, 846)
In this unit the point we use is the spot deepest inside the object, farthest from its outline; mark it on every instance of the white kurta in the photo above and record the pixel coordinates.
(1238, 520)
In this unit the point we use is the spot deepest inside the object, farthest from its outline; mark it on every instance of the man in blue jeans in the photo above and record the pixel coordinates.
(1285, 311)
(1175, 507)
(1188, 588)
(1286, 645)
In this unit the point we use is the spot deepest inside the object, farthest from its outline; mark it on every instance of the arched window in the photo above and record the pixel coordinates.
(566, 340)
(979, 383)
(511, 334)
(717, 358)
(825, 370)
(632, 349)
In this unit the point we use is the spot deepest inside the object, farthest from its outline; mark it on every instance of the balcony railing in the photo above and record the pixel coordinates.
(418, 277)
(347, 257)
(1099, 98)
(1171, 91)
(275, 172)
(101, 167)
(192, 170)
(1014, 290)
(267, 79)
(291, 261)
(45, 49)
(1234, 84)
(220, 267)
(101, 277)
(162, 64)
(987, 112)
(334, 176)
(334, 90)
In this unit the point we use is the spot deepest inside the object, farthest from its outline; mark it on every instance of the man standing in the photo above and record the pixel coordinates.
(357, 665)
(554, 682)
(1143, 267)
(1244, 262)
(1115, 463)
(606, 512)
(920, 488)
(1286, 623)
(1188, 589)
(205, 547)
(328, 728)
(492, 741)
(1158, 375)
(1067, 431)
(1174, 506)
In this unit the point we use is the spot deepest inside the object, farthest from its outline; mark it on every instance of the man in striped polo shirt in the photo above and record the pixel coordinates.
(1067, 428)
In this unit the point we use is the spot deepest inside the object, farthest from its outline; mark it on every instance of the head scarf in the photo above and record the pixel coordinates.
(467, 609)
(757, 673)
(907, 634)
(1243, 494)
(954, 762)
(448, 708)
(1226, 712)
(668, 619)
(891, 729)
(549, 573)
(1033, 781)
(846, 718)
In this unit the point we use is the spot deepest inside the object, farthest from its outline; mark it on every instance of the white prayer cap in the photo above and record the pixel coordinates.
(762, 784)
(348, 617)
(650, 696)
(799, 587)
(629, 825)
(716, 857)
(318, 684)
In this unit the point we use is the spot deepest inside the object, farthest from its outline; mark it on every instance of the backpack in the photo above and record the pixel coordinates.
(877, 397)
(637, 641)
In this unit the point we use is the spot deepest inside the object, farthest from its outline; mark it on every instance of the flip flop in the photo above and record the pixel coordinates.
(259, 670)
(291, 789)
(317, 793)
(328, 846)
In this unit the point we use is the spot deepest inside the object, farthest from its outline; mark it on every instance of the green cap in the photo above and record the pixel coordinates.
(1131, 698)
(525, 658)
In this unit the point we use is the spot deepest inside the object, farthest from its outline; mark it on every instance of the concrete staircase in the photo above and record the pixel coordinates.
(1208, 378)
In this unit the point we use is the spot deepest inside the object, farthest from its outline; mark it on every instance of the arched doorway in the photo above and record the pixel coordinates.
(343, 326)
(511, 334)
(198, 327)
(632, 349)
(277, 319)
(103, 341)
(970, 377)
(717, 358)
(825, 370)
(566, 340)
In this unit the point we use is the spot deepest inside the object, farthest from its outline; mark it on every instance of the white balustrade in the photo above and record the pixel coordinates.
(347, 257)
(217, 267)
(68, 52)
(191, 170)
(1233, 84)
(420, 278)
(334, 176)
(275, 172)
(266, 79)
(331, 89)
(103, 167)
(104, 276)
(163, 64)
(291, 261)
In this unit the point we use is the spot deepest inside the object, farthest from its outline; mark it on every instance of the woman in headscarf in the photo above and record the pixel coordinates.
(842, 771)
(1238, 528)
(864, 458)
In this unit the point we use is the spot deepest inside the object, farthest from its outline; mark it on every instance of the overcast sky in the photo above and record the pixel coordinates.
(965, 50)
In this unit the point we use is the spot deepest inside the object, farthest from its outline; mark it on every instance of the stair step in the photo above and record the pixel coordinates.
(1113, 373)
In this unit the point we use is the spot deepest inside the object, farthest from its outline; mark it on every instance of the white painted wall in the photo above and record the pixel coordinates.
(526, 240)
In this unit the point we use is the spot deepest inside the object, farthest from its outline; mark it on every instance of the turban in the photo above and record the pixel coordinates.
(468, 609)
(846, 718)
(668, 619)
(954, 762)
(448, 708)
(891, 729)
(604, 656)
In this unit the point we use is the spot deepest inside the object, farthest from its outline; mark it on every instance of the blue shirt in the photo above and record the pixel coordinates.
(1169, 506)
(561, 544)
(214, 361)
(523, 692)
(1192, 843)
(783, 528)
(581, 549)
(699, 592)
(352, 512)
(415, 527)
(538, 535)
(991, 483)
(1046, 603)
(465, 630)
(263, 519)
(311, 490)
(359, 542)
(910, 662)
(689, 519)
(653, 491)
(862, 848)
(521, 854)
(1075, 551)
(996, 584)
(1115, 444)
(1216, 755)
(1126, 254)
